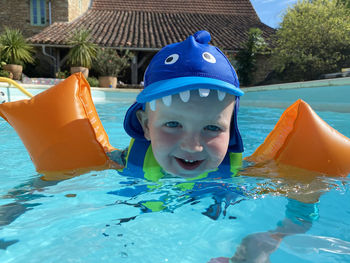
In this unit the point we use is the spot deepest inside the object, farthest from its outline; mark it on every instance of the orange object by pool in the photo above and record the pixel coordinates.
(61, 129)
(302, 139)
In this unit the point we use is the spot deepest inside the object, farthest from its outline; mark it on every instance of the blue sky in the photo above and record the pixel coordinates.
(271, 11)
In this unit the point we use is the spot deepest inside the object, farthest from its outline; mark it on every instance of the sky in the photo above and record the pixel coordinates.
(271, 12)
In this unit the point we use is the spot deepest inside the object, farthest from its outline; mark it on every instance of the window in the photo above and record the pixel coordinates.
(38, 12)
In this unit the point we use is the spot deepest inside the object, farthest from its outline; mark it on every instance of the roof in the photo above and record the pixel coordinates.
(137, 24)
(227, 7)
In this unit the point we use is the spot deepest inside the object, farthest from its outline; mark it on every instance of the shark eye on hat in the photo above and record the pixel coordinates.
(171, 59)
(208, 57)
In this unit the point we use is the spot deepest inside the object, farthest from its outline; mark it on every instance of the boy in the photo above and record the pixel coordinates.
(187, 113)
(184, 123)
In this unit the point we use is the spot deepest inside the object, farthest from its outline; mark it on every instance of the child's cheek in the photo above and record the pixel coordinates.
(165, 139)
(218, 145)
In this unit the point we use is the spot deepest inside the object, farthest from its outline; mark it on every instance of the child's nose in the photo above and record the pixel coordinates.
(191, 143)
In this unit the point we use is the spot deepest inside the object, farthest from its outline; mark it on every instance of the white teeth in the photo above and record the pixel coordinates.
(152, 105)
(167, 100)
(204, 92)
(185, 95)
(221, 95)
(189, 161)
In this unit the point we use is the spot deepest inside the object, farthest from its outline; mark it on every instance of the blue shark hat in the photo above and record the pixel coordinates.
(181, 67)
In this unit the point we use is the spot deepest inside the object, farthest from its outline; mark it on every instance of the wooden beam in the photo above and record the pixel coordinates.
(134, 69)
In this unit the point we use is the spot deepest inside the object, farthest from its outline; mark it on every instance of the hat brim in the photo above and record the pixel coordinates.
(172, 86)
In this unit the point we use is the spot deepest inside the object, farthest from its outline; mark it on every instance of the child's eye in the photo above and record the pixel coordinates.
(172, 124)
(212, 128)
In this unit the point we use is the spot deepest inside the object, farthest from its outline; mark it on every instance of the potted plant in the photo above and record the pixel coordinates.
(82, 52)
(109, 64)
(5, 73)
(15, 51)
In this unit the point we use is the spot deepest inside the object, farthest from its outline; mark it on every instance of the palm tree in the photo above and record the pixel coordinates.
(15, 51)
(82, 52)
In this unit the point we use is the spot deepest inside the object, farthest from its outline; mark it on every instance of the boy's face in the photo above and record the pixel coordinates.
(189, 138)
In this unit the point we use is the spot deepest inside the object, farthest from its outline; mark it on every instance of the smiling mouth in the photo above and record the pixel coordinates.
(188, 164)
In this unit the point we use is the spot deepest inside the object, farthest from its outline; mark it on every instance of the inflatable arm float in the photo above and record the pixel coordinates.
(302, 139)
(61, 130)
(64, 136)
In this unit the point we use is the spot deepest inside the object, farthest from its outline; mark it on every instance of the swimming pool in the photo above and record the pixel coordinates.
(102, 216)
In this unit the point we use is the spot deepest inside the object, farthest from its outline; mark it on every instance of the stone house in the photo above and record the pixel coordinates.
(142, 26)
(32, 16)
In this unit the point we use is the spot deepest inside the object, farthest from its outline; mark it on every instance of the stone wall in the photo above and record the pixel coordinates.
(16, 14)
(59, 11)
(77, 8)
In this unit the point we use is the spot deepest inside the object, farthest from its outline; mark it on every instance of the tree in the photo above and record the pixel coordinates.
(246, 57)
(345, 3)
(313, 38)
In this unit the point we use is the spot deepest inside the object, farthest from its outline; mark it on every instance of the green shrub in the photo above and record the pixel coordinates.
(4, 73)
(93, 82)
(62, 74)
(246, 57)
(109, 63)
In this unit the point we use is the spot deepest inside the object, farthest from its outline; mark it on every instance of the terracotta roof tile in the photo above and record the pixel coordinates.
(229, 7)
(113, 27)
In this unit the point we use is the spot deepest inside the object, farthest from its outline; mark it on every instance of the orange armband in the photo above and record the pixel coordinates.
(302, 139)
(61, 130)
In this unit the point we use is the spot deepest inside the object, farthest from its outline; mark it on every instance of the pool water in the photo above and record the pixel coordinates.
(104, 217)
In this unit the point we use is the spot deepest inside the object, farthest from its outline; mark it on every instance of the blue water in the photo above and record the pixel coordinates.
(90, 218)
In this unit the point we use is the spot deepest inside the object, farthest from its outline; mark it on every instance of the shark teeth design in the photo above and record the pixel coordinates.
(152, 105)
(221, 95)
(185, 96)
(167, 100)
(204, 92)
